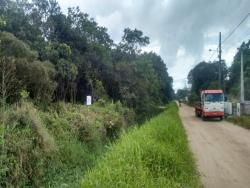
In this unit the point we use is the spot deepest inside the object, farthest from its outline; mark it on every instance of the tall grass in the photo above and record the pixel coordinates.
(54, 147)
(243, 121)
(155, 155)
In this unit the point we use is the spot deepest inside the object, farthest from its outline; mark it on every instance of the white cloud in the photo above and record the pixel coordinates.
(180, 73)
(112, 22)
(229, 55)
(153, 47)
(181, 52)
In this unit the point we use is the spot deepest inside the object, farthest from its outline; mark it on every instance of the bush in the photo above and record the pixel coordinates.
(27, 145)
(52, 148)
(155, 155)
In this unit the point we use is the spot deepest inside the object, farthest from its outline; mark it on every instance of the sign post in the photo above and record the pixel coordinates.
(88, 100)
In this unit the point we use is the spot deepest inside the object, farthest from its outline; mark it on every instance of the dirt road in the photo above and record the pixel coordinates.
(221, 151)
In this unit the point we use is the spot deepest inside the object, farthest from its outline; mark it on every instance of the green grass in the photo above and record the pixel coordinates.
(54, 147)
(243, 121)
(154, 155)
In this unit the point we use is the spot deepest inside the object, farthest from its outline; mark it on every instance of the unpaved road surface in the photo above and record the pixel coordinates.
(221, 151)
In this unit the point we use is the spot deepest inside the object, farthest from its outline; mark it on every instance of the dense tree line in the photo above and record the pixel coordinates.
(65, 57)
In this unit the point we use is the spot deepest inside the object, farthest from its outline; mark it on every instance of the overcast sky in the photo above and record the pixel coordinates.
(181, 31)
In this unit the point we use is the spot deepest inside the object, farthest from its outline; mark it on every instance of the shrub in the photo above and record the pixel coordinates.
(54, 147)
(27, 146)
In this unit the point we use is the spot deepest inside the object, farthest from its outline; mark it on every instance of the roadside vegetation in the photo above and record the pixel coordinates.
(154, 155)
(50, 61)
(54, 147)
(243, 121)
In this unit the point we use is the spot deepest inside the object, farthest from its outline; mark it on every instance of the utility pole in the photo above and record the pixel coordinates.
(220, 80)
(242, 97)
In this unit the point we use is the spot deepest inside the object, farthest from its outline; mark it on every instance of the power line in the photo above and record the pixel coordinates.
(235, 28)
(230, 34)
(243, 35)
(226, 38)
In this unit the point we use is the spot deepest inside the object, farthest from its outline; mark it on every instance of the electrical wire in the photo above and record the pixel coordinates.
(235, 28)
(227, 37)
(243, 36)
(230, 34)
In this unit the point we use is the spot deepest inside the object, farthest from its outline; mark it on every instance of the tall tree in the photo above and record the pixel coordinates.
(205, 76)
(133, 40)
(75, 57)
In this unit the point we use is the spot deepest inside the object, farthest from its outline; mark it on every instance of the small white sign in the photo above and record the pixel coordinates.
(89, 100)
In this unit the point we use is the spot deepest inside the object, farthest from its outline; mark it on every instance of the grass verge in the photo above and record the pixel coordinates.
(243, 121)
(154, 155)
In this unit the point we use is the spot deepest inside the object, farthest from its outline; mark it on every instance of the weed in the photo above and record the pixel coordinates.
(154, 155)
(243, 121)
(54, 146)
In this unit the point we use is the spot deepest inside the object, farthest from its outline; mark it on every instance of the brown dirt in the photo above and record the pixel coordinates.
(221, 150)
